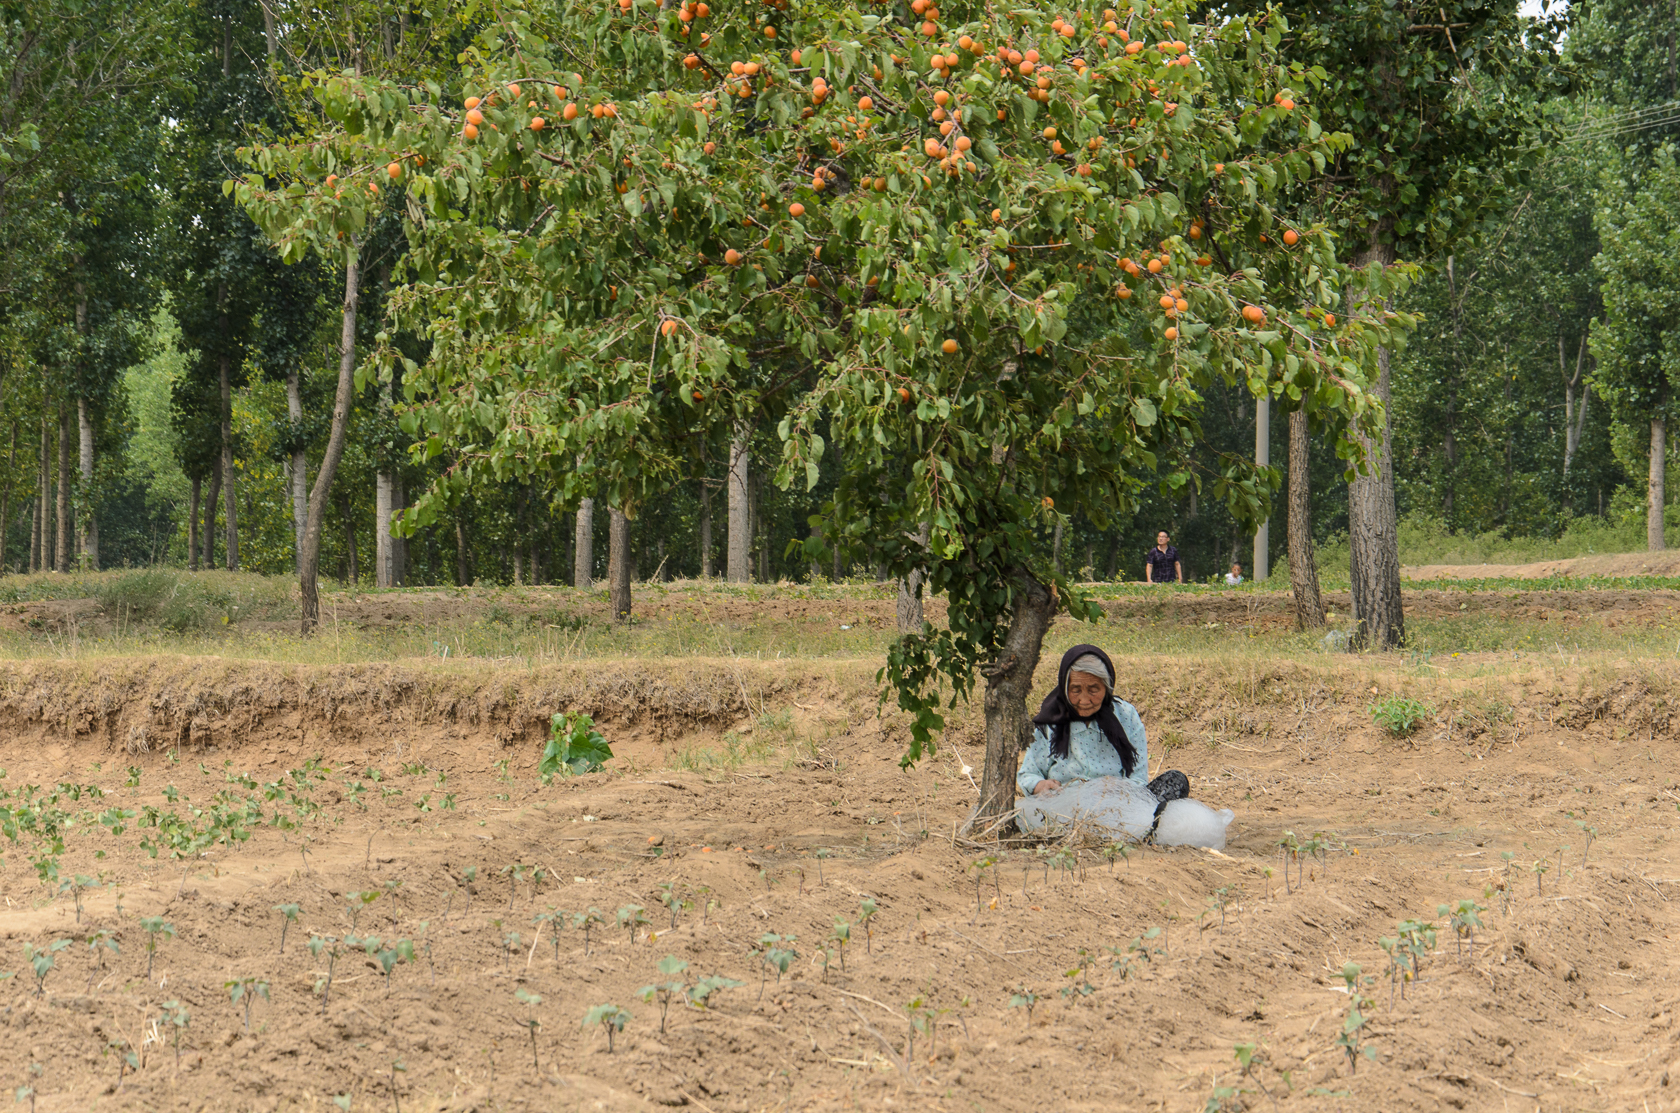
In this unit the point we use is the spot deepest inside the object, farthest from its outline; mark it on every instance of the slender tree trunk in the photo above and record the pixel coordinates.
(911, 619)
(383, 558)
(210, 505)
(739, 569)
(352, 568)
(270, 33)
(705, 529)
(399, 543)
(38, 543)
(1654, 504)
(230, 482)
(1008, 684)
(90, 520)
(583, 556)
(294, 409)
(619, 563)
(66, 523)
(192, 524)
(461, 577)
(309, 564)
(1056, 546)
(6, 499)
(1373, 524)
(1303, 561)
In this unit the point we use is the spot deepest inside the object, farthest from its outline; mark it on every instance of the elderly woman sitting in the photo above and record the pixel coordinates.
(1084, 732)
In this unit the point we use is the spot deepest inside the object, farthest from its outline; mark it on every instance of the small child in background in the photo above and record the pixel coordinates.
(1234, 576)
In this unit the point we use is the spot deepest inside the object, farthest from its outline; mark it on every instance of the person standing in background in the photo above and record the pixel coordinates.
(1161, 564)
(1234, 576)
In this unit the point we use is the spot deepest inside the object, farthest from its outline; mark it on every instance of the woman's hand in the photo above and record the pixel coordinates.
(1046, 786)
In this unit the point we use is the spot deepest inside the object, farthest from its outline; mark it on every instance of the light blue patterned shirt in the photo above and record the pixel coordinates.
(1090, 753)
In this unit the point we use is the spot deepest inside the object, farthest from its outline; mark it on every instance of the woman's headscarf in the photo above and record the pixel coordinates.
(1057, 712)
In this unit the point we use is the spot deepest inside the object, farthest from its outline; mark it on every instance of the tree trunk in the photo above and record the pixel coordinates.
(1262, 566)
(1654, 504)
(1303, 561)
(911, 619)
(383, 557)
(210, 505)
(1056, 546)
(294, 410)
(1008, 685)
(583, 555)
(1373, 525)
(66, 524)
(352, 570)
(461, 579)
(90, 520)
(6, 499)
(705, 530)
(230, 482)
(618, 564)
(38, 542)
(309, 563)
(740, 536)
(192, 524)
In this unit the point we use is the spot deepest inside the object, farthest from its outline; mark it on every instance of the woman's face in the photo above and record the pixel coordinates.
(1085, 692)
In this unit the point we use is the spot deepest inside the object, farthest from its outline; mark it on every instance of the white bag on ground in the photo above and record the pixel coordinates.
(1117, 807)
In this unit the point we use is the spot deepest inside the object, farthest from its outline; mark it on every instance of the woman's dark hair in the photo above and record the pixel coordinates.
(1058, 714)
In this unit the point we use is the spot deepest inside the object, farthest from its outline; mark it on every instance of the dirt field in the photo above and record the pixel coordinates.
(767, 795)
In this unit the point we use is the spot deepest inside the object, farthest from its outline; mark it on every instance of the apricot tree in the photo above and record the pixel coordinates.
(991, 254)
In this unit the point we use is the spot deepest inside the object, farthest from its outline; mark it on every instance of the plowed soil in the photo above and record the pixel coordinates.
(769, 796)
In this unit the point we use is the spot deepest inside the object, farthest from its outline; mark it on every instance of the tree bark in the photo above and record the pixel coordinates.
(210, 505)
(38, 543)
(1373, 524)
(383, 557)
(1056, 546)
(740, 536)
(1262, 566)
(300, 459)
(66, 524)
(1303, 561)
(618, 564)
(230, 482)
(310, 561)
(6, 499)
(461, 578)
(911, 619)
(1008, 684)
(192, 524)
(705, 529)
(583, 555)
(1574, 417)
(90, 520)
(1654, 501)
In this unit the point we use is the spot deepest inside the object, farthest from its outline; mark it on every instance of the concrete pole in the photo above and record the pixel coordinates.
(1262, 458)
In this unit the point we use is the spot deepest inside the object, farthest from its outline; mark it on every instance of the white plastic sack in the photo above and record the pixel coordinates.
(1113, 806)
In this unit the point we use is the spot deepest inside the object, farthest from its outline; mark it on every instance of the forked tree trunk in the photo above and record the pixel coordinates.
(1654, 499)
(618, 564)
(740, 511)
(1008, 685)
(1373, 524)
(583, 547)
(309, 562)
(1303, 561)
(300, 459)
(230, 482)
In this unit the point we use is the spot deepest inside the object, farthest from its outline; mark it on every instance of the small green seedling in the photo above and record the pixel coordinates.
(841, 935)
(1080, 975)
(355, 902)
(43, 961)
(673, 901)
(27, 1090)
(632, 916)
(1024, 998)
(609, 1017)
(1539, 868)
(289, 914)
(242, 990)
(587, 920)
(177, 1018)
(99, 942)
(555, 920)
(774, 955)
(329, 944)
(76, 885)
(672, 968)
(1352, 1037)
(127, 1059)
(866, 915)
(1465, 918)
(154, 926)
(531, 1023)
(700, 993)
(574, 747)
